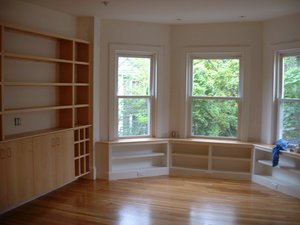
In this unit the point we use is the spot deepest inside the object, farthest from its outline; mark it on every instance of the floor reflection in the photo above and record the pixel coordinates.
(134, 215)
(212, 214)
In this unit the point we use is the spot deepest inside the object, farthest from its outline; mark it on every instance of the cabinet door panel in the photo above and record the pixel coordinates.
(64, 158)
(42, 163)
(53, 161)
(19, 171)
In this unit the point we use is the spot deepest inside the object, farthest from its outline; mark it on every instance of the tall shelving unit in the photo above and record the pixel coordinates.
(45, 94)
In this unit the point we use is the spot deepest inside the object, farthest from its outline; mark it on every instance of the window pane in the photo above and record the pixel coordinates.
(216, 77)
(217, 118)
(291, 121)
(134, 117)
(291, 76)
(134, 76)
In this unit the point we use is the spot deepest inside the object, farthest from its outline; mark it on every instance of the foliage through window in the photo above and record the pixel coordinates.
(215, 97)
(134, 91)
(289, 98)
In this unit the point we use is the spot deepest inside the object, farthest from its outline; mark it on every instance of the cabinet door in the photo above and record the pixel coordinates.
(63, 158)
(53, 161)
(42, 164)
(19, 171)
(3, 178)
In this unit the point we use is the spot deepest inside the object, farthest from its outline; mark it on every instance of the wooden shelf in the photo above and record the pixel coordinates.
(231, 158)
(81, 84)
(35, 58)
(282, 165)
(82, 63)
(116, 169)
(130, 156)
(190, 155)
(81, 106)
(36, 84)
(34, 109)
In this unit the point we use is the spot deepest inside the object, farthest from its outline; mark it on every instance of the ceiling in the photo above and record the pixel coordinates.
(176, 11)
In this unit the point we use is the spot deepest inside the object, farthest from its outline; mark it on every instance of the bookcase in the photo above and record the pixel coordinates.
(209, 158)
(132, 158)
(45, 93)
(284, 178)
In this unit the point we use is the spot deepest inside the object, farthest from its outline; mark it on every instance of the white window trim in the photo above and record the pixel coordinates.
(278, 85)
(220, 52)
(116, 50)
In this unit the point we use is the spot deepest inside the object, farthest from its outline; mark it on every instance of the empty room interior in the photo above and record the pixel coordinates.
(149, 112)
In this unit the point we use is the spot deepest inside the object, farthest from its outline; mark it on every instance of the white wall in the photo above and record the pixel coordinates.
(284, 31)
(248, 35)
(134, 33)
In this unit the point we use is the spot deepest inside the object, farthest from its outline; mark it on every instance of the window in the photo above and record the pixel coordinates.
(214, 95)
(134, 94)
(289, 96)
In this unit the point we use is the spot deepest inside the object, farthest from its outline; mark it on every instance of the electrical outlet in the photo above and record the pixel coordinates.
(17, 121)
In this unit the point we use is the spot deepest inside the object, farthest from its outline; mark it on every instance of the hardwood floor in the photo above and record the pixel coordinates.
(158, 201)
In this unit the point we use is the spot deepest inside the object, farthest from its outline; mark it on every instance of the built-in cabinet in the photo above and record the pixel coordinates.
(53, 161)
(34, 166)
(45, 112)
(16, 173)
(148, 157)
(284, 178)
(133, 158)
(225, 159)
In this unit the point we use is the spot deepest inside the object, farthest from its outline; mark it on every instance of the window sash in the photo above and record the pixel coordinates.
(191, 97)
(150, 97)
(207, 57)
(149, 114)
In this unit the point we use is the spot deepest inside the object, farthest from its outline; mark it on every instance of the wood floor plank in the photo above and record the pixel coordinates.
(159, 201)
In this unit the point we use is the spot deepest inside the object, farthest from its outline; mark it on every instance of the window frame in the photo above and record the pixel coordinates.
(279, 89)
(214, 55)
(116, 51)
